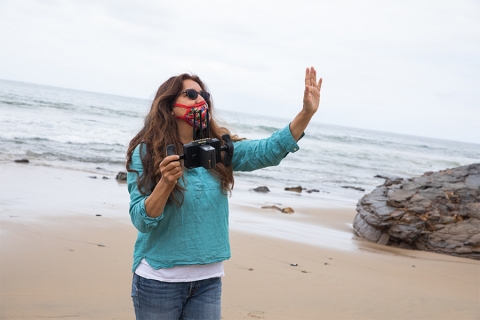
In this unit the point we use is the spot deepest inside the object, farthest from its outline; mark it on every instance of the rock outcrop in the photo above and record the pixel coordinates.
(121, 176)
(437, 212)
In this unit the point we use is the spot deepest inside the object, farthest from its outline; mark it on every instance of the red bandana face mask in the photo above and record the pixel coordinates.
(201, 110)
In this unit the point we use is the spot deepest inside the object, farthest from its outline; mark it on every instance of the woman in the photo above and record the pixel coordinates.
(182, 214)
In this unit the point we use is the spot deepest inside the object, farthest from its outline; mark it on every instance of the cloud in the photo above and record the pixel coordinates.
(408, 67)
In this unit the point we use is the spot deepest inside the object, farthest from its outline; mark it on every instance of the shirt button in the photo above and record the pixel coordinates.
(294, 149)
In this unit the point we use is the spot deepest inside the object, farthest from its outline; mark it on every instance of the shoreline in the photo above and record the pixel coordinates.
(59, 259)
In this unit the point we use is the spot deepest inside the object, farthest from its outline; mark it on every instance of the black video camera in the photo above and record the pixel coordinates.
(204, 152)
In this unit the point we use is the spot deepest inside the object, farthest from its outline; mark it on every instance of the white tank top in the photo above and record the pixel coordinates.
(181, 273)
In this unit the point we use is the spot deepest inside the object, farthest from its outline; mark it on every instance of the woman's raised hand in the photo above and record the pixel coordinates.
(311, 96)
(311, 101)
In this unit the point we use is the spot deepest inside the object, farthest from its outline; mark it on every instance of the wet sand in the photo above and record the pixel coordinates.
(58, 259)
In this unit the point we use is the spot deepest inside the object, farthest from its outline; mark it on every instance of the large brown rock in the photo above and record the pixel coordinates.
(438, 212)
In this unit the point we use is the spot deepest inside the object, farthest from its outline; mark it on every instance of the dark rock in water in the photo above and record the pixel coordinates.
(21, 161)
(121, 176)
(93, 177)
(437, 212)
(105, 178)
(355, 188)
(262, 189)
(294, 189)
(313, 190)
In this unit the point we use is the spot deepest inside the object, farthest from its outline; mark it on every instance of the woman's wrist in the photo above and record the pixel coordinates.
(164, 183)
(305, 113)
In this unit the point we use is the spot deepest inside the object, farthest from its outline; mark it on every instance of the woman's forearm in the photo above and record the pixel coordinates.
(155, 203)
(300, 123)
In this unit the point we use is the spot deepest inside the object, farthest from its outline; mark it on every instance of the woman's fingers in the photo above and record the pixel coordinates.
(310, 77)
(171, 169)
(313, 76)
(311, 96)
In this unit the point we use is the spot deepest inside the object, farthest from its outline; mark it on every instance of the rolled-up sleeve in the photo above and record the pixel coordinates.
(251, 155)
(138, 213)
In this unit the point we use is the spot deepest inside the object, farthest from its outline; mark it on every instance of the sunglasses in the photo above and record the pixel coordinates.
(193, 95)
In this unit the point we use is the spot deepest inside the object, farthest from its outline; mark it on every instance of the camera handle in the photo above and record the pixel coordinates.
(228, 148)
(171, 151)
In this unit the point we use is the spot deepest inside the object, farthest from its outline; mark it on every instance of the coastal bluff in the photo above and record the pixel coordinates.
(437, 212)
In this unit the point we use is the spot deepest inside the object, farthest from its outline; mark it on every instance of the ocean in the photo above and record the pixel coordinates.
(88, 131)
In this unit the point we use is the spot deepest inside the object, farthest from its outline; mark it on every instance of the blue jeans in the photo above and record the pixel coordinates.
(154, 299)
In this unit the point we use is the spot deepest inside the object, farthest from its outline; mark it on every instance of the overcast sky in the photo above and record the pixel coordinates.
(404, 66)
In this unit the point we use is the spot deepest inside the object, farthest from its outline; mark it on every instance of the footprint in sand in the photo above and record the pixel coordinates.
(256, 314)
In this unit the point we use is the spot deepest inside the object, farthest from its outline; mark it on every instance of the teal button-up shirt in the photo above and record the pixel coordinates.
(196, 232)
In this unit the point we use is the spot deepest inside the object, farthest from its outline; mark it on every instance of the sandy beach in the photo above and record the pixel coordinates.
(67, 241)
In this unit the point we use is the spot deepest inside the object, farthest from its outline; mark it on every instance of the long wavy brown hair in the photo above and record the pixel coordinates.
(160, 130)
